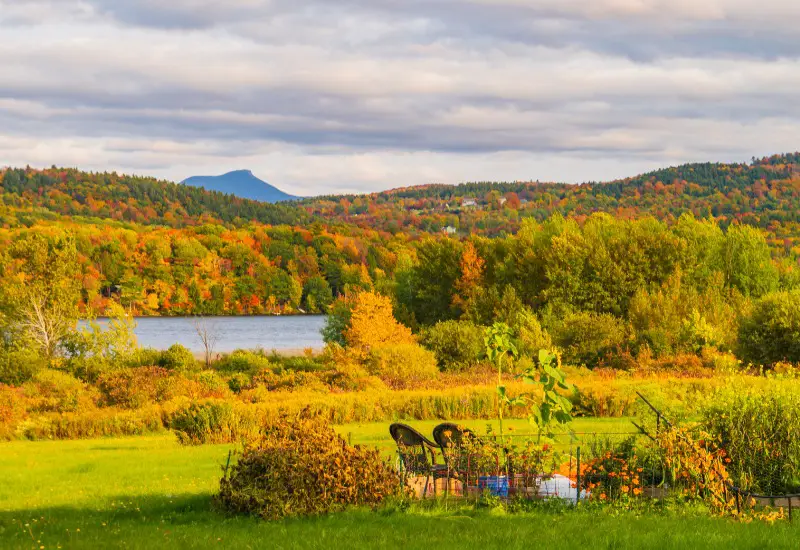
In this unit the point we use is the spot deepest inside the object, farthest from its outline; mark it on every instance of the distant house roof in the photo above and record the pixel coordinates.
(469, 202)
(450, 230)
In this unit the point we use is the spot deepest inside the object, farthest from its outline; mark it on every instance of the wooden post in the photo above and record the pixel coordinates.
(578, 476)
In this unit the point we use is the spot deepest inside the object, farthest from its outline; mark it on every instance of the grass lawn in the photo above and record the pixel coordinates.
(149, 492)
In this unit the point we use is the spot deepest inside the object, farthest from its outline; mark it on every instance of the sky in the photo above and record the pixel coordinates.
(330, 96)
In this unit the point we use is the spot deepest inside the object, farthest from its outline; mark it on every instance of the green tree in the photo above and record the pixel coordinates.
(771, 333)
(433, 281)
(317, 295)
(41, 293)
(747, 262)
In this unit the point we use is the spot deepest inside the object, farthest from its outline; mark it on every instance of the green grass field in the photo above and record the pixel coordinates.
(149, 492)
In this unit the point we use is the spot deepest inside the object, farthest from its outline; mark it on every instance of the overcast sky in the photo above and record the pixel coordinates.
(322, 96)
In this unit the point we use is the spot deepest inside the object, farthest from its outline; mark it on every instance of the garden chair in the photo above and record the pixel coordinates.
(417, 455)
(457, 445)
(451, 438)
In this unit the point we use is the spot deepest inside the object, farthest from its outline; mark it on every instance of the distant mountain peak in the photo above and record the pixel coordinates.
(241, 183)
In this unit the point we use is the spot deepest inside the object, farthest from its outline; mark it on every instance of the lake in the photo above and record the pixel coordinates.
(281, 333)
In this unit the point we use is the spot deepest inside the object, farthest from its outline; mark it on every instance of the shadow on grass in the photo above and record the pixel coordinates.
(192, 521)
(174, 508)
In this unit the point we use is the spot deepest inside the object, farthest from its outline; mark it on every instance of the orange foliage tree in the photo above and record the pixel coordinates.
(373, 325)
(471, 275)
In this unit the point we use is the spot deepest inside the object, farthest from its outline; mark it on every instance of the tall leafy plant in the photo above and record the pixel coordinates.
(499, 347)
(552, 409)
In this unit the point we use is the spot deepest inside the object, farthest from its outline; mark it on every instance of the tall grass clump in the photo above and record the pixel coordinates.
(760, 431)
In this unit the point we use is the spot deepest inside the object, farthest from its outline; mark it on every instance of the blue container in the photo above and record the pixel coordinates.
(497, 485)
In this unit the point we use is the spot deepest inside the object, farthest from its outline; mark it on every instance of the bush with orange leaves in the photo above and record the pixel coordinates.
(697, 469)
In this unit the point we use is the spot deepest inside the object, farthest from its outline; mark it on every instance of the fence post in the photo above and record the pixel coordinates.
(790, 509)
(578, 476)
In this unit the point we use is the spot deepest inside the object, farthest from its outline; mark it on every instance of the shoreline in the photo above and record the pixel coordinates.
(286, 352)
(231, 316)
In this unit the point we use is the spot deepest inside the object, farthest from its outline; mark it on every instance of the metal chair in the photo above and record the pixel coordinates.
(417, 455)
(451, 438)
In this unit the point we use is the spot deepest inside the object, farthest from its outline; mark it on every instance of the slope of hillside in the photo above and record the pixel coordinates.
(240, 183)
(761, 193)
(72, 192)
(764, 193)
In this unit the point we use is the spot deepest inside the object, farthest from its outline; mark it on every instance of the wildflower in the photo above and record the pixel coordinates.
(637, 491)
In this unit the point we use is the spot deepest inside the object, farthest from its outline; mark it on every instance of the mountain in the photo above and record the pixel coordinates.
(241, 183)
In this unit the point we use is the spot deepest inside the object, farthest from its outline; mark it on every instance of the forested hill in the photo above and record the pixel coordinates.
(142, 200)
(764, 193)
(223, 255)
(760, 193)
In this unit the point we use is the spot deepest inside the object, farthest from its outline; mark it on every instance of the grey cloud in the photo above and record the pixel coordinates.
(146, 83)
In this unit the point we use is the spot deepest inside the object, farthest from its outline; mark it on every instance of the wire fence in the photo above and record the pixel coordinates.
(574, 466)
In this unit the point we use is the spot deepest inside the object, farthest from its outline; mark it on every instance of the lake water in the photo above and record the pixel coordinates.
(281, 333)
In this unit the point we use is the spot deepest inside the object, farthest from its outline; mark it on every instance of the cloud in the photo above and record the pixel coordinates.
(363, 95)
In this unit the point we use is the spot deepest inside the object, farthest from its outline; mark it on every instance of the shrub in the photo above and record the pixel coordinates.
(19, 366)
(244, 361)
(212, 384)
(137, 387)
(273, 381)
(344, 372)
(89, 368)
(771, 333)
(531, 337)
(178, 358)
(145, 357)
(721, 363)
(587, 337)
(457, 344)
(680, 364)
(212, 422)
(239, 381)
(55, 391)
(619, 360)
(12, 409)
(305, 363)
(403, 365)
(338, 320)
(302, 467)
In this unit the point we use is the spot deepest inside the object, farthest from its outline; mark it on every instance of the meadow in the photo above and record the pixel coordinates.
(151, 492)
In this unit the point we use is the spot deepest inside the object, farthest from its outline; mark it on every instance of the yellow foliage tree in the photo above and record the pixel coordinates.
(373, 325)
